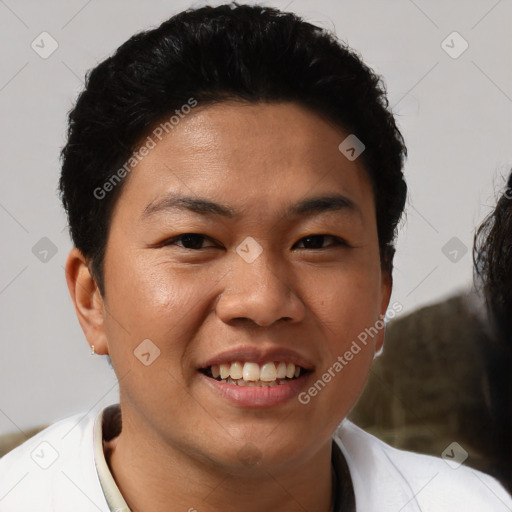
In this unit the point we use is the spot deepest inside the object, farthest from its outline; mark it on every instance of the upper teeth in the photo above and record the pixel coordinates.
(248, 371)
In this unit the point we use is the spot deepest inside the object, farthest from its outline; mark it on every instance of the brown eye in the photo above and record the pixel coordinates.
(317, 241)
(192, 241)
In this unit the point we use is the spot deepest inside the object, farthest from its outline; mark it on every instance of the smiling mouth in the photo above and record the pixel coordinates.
(273, 373)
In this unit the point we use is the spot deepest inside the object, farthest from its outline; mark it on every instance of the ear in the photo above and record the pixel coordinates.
(87, 300)
(386, 288)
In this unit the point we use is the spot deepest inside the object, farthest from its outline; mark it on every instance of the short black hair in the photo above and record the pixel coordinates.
(492, 257)
(248, 53)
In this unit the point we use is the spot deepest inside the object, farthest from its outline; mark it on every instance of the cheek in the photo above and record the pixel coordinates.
(150, 295)
(345, 301)
(349, 313)
(160, 305)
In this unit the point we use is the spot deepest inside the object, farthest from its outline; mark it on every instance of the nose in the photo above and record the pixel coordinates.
(260, 292)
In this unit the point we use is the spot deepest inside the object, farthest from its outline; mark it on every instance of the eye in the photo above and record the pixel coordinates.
(316, 241)
(188, 241)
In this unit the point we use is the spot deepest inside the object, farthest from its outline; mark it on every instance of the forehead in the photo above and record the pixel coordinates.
(254, 157)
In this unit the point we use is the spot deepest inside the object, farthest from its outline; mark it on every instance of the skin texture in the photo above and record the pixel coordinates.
(182, 444)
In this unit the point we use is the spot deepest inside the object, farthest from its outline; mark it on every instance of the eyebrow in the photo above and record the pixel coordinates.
(304, 208)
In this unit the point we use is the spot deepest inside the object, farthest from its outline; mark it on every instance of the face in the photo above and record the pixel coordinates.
(223, 257)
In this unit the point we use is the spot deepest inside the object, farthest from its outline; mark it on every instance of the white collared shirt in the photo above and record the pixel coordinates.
(63, 469)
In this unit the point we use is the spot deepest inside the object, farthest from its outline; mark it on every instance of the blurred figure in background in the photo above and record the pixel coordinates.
(492, 256)
(445, 373)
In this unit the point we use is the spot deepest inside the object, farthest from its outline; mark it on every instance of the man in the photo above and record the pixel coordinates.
(233, 182)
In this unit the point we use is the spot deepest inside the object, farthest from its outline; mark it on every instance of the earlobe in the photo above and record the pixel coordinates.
(87, 300)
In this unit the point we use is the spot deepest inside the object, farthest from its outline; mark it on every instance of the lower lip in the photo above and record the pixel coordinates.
(244, 396)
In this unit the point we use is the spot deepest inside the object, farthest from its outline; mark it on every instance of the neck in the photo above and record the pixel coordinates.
(152, 475)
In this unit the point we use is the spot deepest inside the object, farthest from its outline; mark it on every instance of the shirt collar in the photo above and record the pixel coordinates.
(108, 425)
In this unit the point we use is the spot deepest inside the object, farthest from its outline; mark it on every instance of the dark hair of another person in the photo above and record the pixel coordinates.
(235, 52)
(492, 256)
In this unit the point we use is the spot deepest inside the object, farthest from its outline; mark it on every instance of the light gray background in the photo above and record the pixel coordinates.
(455, 114)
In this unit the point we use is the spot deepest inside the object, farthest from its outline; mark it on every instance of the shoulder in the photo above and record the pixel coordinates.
(53, 469)
(417, 482)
